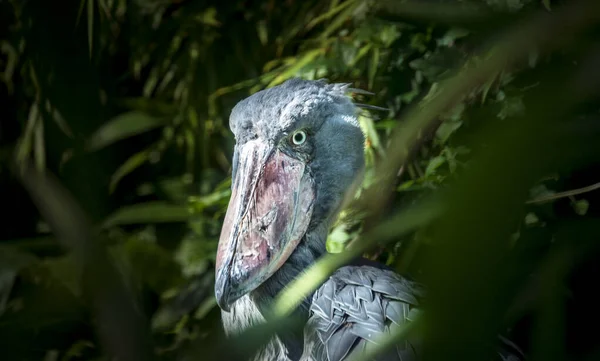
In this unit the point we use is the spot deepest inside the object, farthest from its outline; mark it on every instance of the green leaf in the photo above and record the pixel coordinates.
(11, 262)
(405, 185)
(80, 11)
(129, 166)
(66, 270)
(546, 4)
(581, 207)
(219, 197)
(434, 164)
(295, 67)
(26, 140)
(39, 149)
(374, 65)
(90, 26)
(195, 253)
(451, 36)
(531, 219)
(512, 106)
(121, 127)
(325, 16)
(373, 140)
(540, 191)
(337, 240)
(360, 54)
(209, 17)
(150, 263)
(174, 188)
(446, 129)
(148, 212)
(76, 350)
(263, 32)
(339, 20)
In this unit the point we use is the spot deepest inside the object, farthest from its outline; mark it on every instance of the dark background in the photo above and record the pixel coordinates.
(126, 103)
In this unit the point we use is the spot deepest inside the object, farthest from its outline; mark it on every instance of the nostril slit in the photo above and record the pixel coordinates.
(266, 220)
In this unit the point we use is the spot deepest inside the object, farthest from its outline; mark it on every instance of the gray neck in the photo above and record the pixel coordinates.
(311, 248)
(249, 310)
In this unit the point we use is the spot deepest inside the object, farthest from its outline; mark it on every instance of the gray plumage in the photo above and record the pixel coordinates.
(357, 304)
(355, 307)
(335, 150)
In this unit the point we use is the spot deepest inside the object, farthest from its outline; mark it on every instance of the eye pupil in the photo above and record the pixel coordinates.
(299, 137)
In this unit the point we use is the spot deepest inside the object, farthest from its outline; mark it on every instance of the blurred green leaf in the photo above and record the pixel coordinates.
(581, 207)
(531, 218)
(68, 271)
(296, 66)
(90, 22)
(446, 129)
(76, 350)
(434, 164)
(374, 64)
(450, 37)
(329, 14)
(337, 240)
(546, 4)
(150, 263)
(209, 17)
(195, 254)
(131, 164)
(12, 261)
(149, 212)
(121, 127)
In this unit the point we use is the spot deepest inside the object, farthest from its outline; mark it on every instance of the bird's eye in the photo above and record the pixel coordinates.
(299, 137)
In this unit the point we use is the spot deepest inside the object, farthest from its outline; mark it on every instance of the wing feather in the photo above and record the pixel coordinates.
(359, 304)
(354, 308)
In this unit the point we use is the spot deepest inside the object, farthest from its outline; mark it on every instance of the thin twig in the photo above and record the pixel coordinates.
(569, 193)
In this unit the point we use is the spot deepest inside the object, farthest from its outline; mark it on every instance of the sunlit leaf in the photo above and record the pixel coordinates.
(337, 240)
(297, 65)
(327, 15)
(373, 140)
(339, 20)
(360, 54)
(218, 197)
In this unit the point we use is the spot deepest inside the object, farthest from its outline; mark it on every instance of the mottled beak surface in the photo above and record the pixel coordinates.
(268, 214)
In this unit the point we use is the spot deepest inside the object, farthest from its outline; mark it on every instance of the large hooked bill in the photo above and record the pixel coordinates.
(269, 212)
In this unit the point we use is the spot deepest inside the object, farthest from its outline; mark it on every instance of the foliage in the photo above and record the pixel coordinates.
(127, 103)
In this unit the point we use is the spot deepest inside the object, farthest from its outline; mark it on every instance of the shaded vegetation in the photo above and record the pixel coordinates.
(481, 180)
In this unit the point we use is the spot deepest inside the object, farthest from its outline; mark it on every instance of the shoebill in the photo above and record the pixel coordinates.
(298, 156)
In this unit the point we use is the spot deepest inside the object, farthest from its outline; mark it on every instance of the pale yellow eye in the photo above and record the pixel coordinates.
(299, 137)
